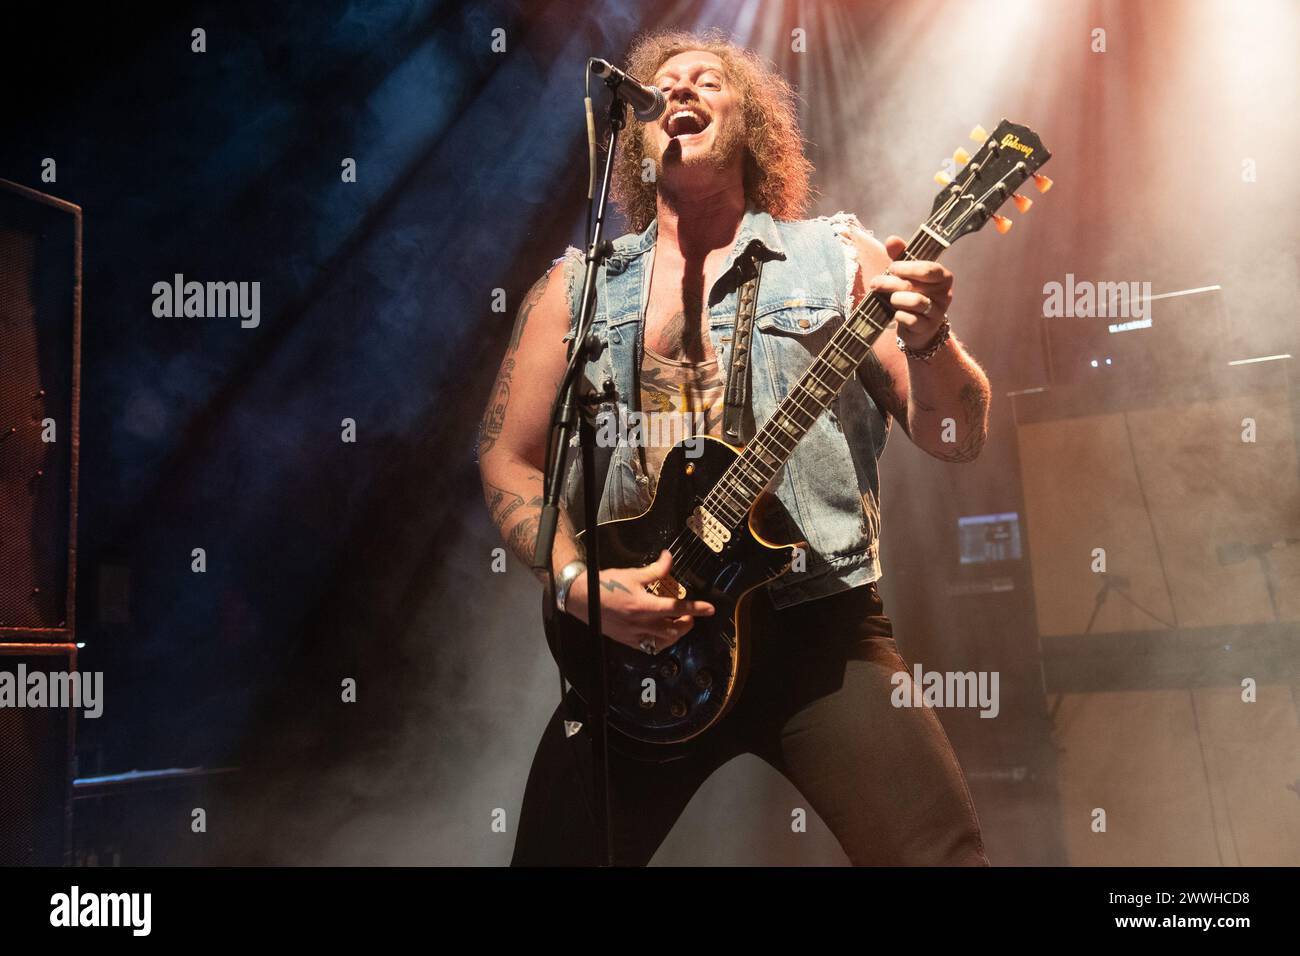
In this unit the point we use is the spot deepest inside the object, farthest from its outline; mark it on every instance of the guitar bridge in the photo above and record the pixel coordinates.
(708, 529)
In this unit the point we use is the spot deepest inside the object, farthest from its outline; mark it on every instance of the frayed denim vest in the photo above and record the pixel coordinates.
(829, 491)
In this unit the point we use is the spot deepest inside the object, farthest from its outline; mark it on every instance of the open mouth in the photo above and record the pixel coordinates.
(685, 122)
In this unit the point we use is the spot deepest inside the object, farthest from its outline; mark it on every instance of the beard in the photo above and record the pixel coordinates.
(728, 144)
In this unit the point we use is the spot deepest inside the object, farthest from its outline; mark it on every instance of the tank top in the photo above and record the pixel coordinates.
(679, 399)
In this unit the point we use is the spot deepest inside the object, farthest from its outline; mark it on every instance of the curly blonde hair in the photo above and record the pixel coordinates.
(776, 170)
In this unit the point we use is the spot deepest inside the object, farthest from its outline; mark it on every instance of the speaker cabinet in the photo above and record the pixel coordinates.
(36, 761)
(1176, 488)
(1173, 676)
(40, 328)
(1189, 776)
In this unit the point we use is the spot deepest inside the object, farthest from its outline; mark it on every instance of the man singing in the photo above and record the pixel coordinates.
(730, 179)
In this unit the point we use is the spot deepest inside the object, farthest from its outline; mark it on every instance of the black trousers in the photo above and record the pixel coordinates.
(817, 708)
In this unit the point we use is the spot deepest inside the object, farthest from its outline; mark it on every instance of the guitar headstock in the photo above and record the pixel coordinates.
(986, 180)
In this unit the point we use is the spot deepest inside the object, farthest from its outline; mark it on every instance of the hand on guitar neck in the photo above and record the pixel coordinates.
(920, 292)
(631, 612)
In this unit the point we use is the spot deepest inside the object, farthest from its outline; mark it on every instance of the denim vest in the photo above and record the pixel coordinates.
(829, 490)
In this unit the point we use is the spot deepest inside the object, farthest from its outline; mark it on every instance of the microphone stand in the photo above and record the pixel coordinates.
(1098, 601)
(1108, 585)
(565, 420)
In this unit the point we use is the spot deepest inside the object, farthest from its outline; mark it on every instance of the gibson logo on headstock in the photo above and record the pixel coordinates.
(1012, 141)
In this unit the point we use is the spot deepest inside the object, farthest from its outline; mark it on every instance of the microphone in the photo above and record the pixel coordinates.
(647, 102)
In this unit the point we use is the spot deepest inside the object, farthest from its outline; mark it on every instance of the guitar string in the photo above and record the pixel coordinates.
(737, 478)
(752, 472)
(695, 548)
(827, 366)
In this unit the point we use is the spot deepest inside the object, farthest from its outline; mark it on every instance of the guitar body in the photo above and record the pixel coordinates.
(661, 700)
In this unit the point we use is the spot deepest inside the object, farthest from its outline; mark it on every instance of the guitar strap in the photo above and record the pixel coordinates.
(737, 417)
(736, 397)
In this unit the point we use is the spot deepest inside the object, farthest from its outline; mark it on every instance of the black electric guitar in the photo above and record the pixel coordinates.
(702, 505)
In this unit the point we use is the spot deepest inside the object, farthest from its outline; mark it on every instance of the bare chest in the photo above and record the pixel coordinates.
(677, 314)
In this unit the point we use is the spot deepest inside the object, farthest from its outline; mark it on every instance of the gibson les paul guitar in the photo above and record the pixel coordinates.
(702, 505)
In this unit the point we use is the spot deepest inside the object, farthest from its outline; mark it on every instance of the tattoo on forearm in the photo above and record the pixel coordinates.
(522, 539)
(505, 506)
(974, 408)
(502, 504)
(881, 387)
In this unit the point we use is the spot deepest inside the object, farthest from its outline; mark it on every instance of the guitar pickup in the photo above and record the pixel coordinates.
(708, 529)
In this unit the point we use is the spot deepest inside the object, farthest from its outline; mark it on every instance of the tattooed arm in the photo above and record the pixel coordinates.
(512, 453)
(513, 435)
(942, 404)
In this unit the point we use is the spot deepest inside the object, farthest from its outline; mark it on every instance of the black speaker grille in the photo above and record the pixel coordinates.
(35, 770)
(38, 315)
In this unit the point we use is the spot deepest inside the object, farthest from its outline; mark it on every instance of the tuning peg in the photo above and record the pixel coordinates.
(960, 156)
(1001, 223)
(979, 133)
(1042, 182)
(942, 178)
(1022, 202)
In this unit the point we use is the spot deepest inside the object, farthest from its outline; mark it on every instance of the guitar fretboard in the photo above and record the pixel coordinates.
(771, 447)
